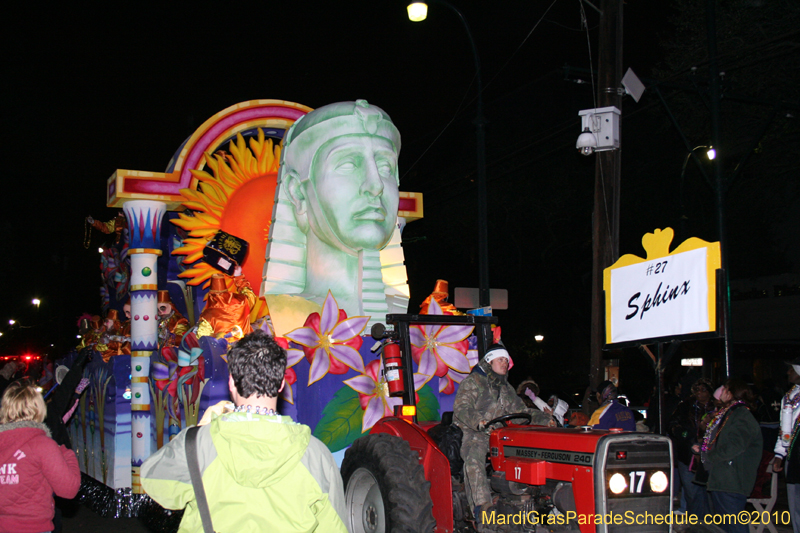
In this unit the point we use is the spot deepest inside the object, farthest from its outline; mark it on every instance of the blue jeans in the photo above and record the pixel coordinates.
(793, 491)
(696, 495)
(729, 503)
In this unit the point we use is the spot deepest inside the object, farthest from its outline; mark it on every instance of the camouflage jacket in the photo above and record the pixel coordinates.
(484, 395)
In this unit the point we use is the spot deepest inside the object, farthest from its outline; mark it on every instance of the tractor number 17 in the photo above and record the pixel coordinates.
(636, 488)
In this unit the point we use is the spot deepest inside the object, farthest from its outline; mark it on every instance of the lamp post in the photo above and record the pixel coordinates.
(710, 153)
(417, 12)
(37, 302)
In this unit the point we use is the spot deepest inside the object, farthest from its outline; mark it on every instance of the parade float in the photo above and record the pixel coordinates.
(269, 216)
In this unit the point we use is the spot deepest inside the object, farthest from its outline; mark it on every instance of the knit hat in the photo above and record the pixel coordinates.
(702, 383)
(495, 351)
(718, 393)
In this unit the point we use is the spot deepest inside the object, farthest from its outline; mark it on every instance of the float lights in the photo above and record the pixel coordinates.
(77, 336)
(100, 250)
(538, 338)
(36, 301)
(417, 11)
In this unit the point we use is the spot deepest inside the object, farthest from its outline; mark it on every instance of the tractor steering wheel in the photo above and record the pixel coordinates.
(505, 418)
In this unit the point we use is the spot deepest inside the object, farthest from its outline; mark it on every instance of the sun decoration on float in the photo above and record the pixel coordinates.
(237, 199)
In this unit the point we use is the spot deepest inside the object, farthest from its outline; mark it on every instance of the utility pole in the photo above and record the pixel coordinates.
(605, 216)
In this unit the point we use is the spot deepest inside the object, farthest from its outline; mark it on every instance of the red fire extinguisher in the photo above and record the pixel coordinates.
(393, 369)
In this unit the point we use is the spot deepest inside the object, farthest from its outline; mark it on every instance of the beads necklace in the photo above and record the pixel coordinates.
(788, 400)
(715, 421)
(257, 410)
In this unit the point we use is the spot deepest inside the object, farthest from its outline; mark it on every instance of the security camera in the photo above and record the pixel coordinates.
(586, 142)
(600, 130)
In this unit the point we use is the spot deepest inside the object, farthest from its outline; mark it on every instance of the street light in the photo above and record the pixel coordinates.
(36, 302)
(11, 322)
(417, 11)
(538, 338)
(710, 153)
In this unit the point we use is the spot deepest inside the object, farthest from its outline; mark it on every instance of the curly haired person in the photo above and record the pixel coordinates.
(261, 471)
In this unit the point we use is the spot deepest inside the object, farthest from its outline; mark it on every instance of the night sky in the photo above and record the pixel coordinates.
(88, 90)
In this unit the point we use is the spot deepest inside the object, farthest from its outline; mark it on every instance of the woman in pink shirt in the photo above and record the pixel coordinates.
(32, 465)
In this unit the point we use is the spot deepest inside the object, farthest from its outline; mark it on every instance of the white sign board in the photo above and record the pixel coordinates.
(663, 297)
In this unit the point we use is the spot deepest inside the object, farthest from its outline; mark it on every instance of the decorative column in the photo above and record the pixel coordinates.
(144, 224)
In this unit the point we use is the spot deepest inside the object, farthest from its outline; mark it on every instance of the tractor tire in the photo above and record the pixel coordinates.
(385, 487)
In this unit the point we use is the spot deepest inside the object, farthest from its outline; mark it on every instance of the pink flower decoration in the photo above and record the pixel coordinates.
(331, 341)
(441, 350)
(373, 393)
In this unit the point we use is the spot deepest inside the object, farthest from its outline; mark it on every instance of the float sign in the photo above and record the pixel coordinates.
(665, 295)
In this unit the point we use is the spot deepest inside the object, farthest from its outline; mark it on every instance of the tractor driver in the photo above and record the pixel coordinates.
(483, 396)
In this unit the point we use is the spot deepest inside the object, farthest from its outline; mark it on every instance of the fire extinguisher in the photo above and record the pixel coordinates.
(393, 369)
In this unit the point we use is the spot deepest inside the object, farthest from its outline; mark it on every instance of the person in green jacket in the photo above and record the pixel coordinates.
(261, 471)
(731, 452)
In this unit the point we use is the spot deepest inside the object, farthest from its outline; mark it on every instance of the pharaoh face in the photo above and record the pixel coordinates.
(127, 310)
(354, 180)
(164, 310)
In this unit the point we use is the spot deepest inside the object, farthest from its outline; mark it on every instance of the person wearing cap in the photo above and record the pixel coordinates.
(484, 395)
(227, 312)
(441, 292)
(171, 324)
(611, 413)
(731, 451)
(92, 334)
(112, 339)
(686, 429)
(787, 449)
(559, 408)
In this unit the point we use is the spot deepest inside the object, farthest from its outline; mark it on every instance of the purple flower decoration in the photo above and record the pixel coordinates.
(440, 350)
(330, 341)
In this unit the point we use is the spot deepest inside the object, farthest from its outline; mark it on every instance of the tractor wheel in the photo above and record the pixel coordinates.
(385, 487)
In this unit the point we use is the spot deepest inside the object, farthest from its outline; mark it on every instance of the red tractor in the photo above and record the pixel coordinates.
(405, 476)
